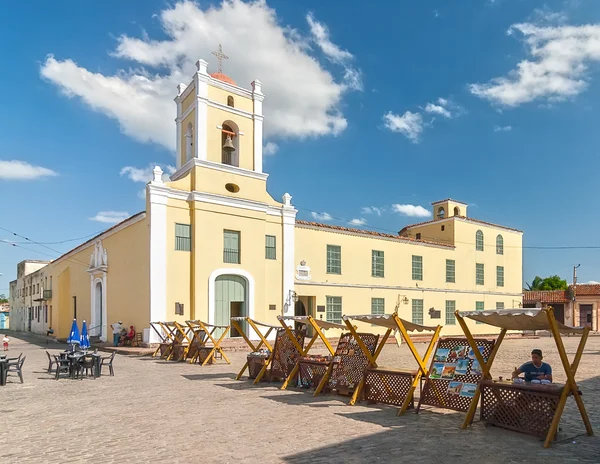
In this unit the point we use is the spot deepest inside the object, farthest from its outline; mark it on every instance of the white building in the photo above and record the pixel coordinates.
(28, 298)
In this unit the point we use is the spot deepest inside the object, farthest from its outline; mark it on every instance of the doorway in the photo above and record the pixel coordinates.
(559, 312)
(97, 318)
(585, 315)
(230, 301)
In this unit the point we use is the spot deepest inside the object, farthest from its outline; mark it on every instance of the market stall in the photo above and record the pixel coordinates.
(263, 355)
(207, 347)
(166, 333)
(527, 407)
(182, 341)
(342, 370)
(386, 385)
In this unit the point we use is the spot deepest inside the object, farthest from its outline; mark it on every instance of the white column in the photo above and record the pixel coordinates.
(180, 89)
(258, 97)
(201, 122)
(104, 309)
(289, 223)
(157, 200)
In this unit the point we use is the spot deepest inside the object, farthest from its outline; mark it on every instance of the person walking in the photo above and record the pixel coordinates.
(5, 343)
(117, 329)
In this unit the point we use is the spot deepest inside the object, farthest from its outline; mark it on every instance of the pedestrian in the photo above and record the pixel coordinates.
(5, 343)
(117, 329)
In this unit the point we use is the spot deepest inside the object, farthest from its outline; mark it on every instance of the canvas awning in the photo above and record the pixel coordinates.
(387, 320)
(518, 319)
(321, 323)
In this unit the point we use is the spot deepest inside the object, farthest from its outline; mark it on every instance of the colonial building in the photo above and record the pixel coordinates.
(576, 306)
(212, 243)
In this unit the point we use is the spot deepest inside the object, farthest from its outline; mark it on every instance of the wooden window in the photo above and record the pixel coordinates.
(479, 274)
(270, 251)
(417, 311)
(500, 305)
(183, 237)
(479, 240)
(417, 267)
(479, 306)
(450, 308)
(377, 263)
(499, 245)
(231, 246)
(334, 259)
(230, 101)
(450, 271)
(500, 276)
(333, 312)
(377, 305)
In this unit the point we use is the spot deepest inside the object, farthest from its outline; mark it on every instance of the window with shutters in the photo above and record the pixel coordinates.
(450, 271)
(183, 237)
(231, 247)
(270, 252)
(334, 259)
(377, 306)
(333, 311)
(377, 263)
(417, 311)
(450, 308)
(417, 268)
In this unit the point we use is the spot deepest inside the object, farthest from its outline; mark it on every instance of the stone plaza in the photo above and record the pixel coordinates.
(158, 411)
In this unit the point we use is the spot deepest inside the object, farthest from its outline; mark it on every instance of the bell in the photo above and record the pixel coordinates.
(228, 146)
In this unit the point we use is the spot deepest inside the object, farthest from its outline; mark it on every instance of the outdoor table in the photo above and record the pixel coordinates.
(524, 407)
(3, 370)
(97, 361)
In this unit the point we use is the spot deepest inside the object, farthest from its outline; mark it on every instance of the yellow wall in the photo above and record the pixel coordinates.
(433, 232)
(189, 119)
(127, 281)
(218, 95)
(189, 99)
(356, 286)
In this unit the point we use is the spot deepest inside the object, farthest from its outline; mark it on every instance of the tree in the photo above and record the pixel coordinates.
(548, 283)
(3, 298)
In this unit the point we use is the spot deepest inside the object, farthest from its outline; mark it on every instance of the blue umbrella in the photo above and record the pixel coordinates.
(74, 338)
(85, 338)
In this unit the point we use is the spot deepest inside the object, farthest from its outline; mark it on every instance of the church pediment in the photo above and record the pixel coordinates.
(99, 258)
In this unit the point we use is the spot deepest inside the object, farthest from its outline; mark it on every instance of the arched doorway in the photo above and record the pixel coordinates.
(98, 306)
(230, 301)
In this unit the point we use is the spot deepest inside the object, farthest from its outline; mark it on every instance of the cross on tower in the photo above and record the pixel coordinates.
(220, 57)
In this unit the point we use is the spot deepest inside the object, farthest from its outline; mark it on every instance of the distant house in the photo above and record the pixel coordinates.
(4, 313)
(577, 306)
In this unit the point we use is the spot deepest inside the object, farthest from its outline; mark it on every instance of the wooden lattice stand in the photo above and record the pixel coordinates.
(451, 370)
(388, 386)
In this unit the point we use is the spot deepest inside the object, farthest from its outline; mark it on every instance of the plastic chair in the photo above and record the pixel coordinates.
(108, 360)
(62, 364)
(18, 366)
(50, 362)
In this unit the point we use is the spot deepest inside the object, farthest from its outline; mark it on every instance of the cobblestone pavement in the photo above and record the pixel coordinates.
(153, 411)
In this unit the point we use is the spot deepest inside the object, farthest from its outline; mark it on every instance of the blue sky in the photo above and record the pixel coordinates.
(494, 103)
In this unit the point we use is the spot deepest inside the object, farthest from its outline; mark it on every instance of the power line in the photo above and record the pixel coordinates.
(65, 241)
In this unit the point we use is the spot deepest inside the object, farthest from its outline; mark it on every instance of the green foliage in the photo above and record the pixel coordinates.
(548, 283)
(3, 298)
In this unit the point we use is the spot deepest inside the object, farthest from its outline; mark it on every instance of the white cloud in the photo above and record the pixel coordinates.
(110, 217)
(438, 109)
(142, 194)
(592, 282)
(411, 210)
(320, 36)
(557, 70)
(20, 170)
(409, 124)
(321, 216)
(145, 174)
(502, 128)
(358, 222)
(372, 210)
(270, 149)
(303, 97)
(546, 15)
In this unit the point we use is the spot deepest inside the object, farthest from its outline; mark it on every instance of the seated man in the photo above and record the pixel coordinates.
(128, 337)
(534, 369)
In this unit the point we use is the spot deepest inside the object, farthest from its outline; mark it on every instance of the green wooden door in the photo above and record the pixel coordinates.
(229, 289)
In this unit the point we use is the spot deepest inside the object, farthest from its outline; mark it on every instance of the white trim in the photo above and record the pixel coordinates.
(94, 319)
(201, 120)
(250, 292)
(157, 201)
(92, 242)
(178, 140)
(288, 225)
(240, 91)
(241, 203)
(449, 200)
(230, 109)
(187, 167)
(399, 287)
(187, 112)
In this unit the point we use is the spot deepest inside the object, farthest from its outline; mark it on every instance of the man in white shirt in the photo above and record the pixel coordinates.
(117, 329)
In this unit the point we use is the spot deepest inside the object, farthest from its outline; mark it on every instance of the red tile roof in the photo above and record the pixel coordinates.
(369, 232)
(587, 289)
(546, 296)
(464, 218)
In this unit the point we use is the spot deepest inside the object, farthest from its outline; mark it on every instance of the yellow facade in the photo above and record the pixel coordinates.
(213, 243)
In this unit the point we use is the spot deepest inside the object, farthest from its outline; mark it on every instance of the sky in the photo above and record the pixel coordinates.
(371, 114)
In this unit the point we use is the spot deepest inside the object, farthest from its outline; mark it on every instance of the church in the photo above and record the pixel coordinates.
(212, 244)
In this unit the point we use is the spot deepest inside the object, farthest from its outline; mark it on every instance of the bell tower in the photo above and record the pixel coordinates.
(218, 122)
